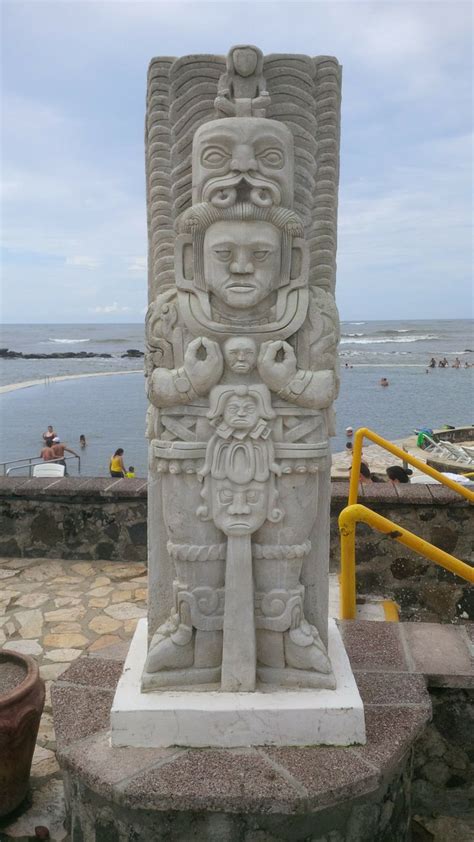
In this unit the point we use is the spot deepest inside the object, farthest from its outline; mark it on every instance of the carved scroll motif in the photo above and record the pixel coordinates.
(241, 363)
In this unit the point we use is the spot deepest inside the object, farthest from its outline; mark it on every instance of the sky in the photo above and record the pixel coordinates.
(73, 215)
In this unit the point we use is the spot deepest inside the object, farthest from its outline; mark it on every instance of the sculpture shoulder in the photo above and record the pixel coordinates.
(323, 327)
(162, 322)
(162, 316)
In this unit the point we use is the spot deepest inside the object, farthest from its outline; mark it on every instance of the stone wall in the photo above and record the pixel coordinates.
(78, 518)
(443, 770)
(73, 518)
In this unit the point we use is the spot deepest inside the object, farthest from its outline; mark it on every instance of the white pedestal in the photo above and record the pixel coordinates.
(226, 720)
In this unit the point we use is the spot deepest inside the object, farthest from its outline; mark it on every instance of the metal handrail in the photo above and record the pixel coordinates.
(363, 432)
(30, 461)
(356, 513)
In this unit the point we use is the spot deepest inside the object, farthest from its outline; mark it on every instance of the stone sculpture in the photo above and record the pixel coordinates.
(241, 364)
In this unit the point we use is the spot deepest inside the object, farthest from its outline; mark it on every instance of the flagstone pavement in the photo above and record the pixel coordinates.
(58, 610)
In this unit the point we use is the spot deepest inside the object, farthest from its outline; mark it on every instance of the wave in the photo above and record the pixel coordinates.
(356, 323)
(116, 341)
(352, 334)
(66, 341)
(367, 340)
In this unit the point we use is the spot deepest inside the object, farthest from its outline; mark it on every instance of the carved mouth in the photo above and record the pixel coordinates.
(240, 287)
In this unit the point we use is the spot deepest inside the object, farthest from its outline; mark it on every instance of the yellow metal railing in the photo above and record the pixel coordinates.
(364, 433)
(355, 513)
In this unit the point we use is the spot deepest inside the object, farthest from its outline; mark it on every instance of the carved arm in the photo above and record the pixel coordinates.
(202, 369)
(311, 389)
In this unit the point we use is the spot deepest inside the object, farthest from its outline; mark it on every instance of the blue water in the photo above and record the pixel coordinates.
(110, 411)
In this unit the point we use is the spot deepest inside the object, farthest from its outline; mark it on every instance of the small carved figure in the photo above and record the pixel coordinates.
(241, 91)
(240, 354)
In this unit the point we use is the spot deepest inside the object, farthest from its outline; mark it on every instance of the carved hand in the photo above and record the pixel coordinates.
(276, 373)
(203, 364)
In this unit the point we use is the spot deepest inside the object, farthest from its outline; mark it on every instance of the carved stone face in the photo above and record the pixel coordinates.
(239, 509)
(245, 60)
(249, 159)
(240, 354)
(242, 262)
(241, 413)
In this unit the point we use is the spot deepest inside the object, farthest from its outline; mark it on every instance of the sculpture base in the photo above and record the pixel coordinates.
(268, 716)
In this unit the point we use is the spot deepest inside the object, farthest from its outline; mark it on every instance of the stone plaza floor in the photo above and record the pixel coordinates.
(57, 611)
(60, 610)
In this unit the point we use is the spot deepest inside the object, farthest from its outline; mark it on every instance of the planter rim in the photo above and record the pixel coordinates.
(28, 682)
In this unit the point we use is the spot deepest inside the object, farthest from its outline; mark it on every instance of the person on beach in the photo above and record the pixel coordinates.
(49, 435)
(47, 452)
(456, 363)
(349, 432)
(116, 466)
(364, 475)
(82, 441)
(58, 449)
(432, 363)
(130, 474)
(397, 474)
(384, 381)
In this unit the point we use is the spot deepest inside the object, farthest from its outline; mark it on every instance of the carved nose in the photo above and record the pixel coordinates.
(243, 159)
(241, 265)
(239, 505)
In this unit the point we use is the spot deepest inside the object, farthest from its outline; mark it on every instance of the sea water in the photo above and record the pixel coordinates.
(110, 410)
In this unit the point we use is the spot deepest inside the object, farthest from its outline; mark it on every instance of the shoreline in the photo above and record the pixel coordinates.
(48, 381)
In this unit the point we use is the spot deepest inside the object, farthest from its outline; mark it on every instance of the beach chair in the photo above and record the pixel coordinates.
(457, 454)
(48, 469)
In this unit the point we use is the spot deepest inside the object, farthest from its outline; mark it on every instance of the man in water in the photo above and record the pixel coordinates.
(47, 452)
(58, 452)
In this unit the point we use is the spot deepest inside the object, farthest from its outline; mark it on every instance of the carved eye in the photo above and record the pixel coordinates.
(249, 408)
(271, 157)
(253, 496)
(214, 156)
(261, 254)
(225, 495)
(223, 254)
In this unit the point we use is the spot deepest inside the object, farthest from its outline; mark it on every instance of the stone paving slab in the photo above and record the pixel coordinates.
(380, 652)
(441, 653)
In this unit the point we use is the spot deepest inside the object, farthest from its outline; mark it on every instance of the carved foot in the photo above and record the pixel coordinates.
(172, 647)
(304, 649)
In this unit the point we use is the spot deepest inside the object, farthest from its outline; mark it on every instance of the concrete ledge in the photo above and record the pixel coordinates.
(286, 793)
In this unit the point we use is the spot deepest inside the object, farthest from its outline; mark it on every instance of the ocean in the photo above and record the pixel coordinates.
(110, 410)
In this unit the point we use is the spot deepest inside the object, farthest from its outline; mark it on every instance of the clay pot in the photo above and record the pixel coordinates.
(22, 695)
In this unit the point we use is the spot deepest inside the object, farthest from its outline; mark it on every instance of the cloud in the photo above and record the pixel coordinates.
(73, 163)
(83, 262)
(138, 265)
(110, 309)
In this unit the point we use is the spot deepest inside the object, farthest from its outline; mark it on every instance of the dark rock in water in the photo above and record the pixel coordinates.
(133, 352)
(57, 355)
